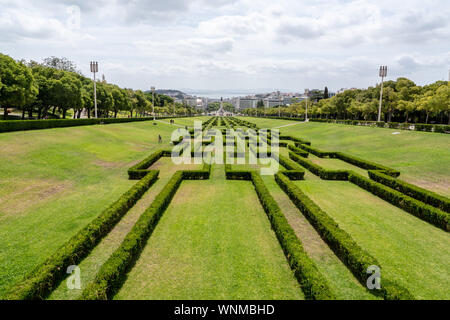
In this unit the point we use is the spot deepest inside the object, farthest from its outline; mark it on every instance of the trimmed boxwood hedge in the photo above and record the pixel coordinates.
(426, 196)
(139, 170)
(298, 151)
(417, 208)
(315, 151)
(38, 283)
(22, 125)
(364, 164)
(318, 170)
(111, 274)
(343, 245)
(313, 283)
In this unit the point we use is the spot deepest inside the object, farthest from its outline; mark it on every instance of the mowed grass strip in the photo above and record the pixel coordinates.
(423, 158)
(410, 250)
(92, 263)
(340, 279)
(55, 181)
(213, 242)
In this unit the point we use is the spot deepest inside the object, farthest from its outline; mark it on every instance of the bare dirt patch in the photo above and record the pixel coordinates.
(28, 193)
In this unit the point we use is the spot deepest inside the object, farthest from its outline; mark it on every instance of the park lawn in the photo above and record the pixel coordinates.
(267, 123)
(341, 280)
(188, 121)
(213, 242)
(423, 158)
(92, 263)
(53, 182)
(410, 250)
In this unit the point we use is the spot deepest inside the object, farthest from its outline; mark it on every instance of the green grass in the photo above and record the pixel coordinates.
(410, 250)
(213, 242)
(423, 158)
(53, 182)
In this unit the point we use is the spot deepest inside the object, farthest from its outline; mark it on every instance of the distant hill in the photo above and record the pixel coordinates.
(171, 93)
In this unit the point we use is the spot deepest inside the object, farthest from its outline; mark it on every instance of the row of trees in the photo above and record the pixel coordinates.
(51, 88)
(403, 101)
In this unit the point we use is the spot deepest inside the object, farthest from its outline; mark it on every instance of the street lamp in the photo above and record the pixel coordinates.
(279, 105)
(383, 73)
(306, 109)
(94, 70)
(153, 102)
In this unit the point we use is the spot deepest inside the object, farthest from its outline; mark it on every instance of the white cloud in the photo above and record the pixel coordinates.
(241, 44)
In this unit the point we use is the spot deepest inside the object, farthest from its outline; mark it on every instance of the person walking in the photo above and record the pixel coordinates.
(159, 139)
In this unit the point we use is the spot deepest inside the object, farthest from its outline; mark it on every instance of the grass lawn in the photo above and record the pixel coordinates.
(410, 250)
(53, 182)
(213, 242)
(423, 158)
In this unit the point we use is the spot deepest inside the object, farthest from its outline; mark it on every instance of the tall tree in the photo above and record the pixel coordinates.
(325, 93)
(17, 85)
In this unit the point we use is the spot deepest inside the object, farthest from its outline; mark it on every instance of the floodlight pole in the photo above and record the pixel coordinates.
(279, 105)
(153, 102)
(383, 73)
(94, 70)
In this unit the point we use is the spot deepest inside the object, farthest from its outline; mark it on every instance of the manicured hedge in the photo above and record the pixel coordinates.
(298, 151)
(368, 165)
(315, 151)
(295, 139)
(318, 170)
(343, 245)
(237, 174)
(411, 190)
(112, 272)
(21, 125)
(313, 283)
(39, 283)
(417, 208)
(139, 170)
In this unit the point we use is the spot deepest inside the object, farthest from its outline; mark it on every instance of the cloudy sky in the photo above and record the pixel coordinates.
(235, 44)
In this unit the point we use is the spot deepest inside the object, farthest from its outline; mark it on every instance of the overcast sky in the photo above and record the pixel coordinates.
(235, 44)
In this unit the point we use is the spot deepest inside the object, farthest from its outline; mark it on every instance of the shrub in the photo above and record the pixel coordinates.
(298, 140)
(313, 283)
(111, 273)
(298, 151)
(411, 190)
(343, 245)
(315, 151)
(318, 170)
(368, 165)
(139, 170)
(417, 208)
(38, 283)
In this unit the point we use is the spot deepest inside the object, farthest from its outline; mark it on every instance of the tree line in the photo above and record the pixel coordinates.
(51, 88)
(403, 101)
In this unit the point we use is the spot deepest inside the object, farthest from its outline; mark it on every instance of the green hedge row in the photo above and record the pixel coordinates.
(343, 245)
(411, 190)
(111, 274)
(237, 174)
(313, 283)
(417, 208)
(318, 170)
(315, 151)
(364, 164)
(294, 171)
(139, 170)
(45, 277)
(298, 151)
(297, 140)
(22, 125)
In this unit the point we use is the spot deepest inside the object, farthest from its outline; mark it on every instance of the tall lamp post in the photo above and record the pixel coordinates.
(153, 102)
(306, 109)
(279, 105)
(383, 73)
(94, 70)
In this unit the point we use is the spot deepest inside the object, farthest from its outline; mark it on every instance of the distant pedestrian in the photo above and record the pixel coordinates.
(159, 139)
